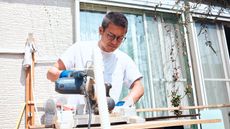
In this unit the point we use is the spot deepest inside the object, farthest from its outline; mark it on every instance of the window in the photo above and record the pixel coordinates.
(157, 45)
(212, 50)
(156, 42)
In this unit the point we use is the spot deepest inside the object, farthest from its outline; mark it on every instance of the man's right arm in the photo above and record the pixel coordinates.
(55, 71)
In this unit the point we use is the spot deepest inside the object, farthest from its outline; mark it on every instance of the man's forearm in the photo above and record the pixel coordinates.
(136, 92)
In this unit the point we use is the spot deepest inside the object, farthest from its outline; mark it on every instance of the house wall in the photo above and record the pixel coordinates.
(51, 23)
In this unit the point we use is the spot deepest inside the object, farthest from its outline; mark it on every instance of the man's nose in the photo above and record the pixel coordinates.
(115, 41)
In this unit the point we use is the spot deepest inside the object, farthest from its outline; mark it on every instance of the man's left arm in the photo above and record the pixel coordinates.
(136, 91)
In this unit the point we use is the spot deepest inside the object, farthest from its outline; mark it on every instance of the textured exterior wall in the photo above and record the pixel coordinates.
(51, 22)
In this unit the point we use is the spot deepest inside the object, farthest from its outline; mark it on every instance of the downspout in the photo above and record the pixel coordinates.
(100, 88)
(76, 20)
(98, 72)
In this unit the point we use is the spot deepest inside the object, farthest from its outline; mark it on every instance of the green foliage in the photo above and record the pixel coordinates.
(176, 98)
(175, 101)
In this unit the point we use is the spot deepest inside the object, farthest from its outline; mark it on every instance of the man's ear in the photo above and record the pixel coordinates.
(101, 30)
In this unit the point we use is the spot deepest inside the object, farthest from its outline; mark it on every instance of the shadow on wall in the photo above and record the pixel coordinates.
(23, 76)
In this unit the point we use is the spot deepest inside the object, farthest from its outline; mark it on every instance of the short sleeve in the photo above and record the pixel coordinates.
(68, 57)
(132, 72)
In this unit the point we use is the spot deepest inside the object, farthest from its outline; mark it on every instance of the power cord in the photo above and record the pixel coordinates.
(88, 102)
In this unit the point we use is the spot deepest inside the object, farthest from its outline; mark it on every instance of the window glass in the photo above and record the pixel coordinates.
(89, 24)
(169, 59)
(209, 51)
(216, 89)
(159, 51)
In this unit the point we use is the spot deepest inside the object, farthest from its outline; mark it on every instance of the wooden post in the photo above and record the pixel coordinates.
(30, 118)
(182, 108)
(20, 116)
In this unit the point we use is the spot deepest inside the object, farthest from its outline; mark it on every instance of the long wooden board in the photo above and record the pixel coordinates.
(182, 108)
(169, 123)
(153, 124)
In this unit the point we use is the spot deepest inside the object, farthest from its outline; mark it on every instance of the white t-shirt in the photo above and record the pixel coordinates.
(119, 68)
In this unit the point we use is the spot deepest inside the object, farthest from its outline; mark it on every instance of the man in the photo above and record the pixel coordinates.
(119, 68)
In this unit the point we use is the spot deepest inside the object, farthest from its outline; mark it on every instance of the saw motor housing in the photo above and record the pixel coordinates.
(79, 82)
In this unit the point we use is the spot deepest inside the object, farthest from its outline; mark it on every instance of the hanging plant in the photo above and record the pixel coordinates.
(179, 48)
(176, 101)
(176, 98)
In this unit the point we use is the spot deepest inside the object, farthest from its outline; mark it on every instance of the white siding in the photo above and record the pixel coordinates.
(52, 24)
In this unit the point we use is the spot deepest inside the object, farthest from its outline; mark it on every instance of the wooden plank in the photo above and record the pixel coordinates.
(30, 119)
(182, 108)
(159, 124)
(153, 124)
(20, 116)
(28, 98)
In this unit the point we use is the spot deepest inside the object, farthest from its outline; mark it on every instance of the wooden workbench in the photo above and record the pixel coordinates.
(154, 124)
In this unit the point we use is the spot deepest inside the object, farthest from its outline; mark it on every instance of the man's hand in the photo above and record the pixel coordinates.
(54, 72)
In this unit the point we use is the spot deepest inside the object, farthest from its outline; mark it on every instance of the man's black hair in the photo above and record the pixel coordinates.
(116, 18)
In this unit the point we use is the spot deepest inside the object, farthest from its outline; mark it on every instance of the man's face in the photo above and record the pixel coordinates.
(111, 37)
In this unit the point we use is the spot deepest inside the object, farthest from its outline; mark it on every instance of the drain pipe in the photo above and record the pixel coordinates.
(98, 72)
(76, 36)
(100, 89)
